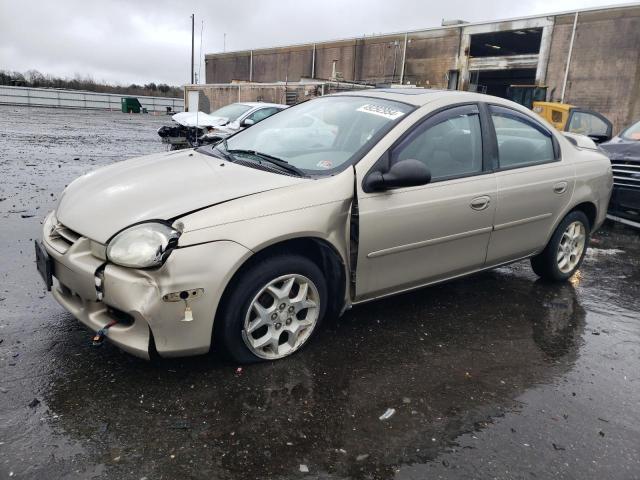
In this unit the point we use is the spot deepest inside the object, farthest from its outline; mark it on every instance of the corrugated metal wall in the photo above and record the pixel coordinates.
(49, 97)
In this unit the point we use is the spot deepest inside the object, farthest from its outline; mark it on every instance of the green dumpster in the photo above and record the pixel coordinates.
(130, 105)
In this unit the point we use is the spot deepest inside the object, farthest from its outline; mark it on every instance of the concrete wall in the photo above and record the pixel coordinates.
(214, 96)
(277, 64)
(430, 56)
(226, 67)
(604, 71)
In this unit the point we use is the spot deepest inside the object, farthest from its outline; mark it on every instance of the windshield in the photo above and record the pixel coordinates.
(231, 112)
(321, 135)
(632, 133)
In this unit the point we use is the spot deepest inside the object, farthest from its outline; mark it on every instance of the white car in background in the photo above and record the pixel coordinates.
(198, 128)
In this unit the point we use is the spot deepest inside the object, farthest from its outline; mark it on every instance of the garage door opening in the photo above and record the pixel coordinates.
(496, 82)
(500, 44)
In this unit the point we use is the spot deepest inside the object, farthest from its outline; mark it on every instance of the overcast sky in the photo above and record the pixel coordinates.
(143, 40)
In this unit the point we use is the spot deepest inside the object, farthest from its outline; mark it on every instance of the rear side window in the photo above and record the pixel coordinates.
(521, 141)
(449, 143)
(263, 113)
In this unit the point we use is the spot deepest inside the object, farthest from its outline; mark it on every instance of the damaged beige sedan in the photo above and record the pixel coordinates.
(249, 244)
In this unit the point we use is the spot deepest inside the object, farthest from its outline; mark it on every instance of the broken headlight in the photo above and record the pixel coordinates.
(143, 246)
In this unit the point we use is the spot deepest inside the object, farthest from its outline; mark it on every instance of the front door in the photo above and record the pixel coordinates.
(417, 235)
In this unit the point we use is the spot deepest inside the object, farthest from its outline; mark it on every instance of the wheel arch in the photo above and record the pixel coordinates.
(587, 207)
(319, 250)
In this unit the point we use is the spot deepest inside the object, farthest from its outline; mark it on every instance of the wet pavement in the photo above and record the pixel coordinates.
(493, 376)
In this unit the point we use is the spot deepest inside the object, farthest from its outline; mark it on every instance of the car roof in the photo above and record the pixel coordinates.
(262, 104)
(422, 96)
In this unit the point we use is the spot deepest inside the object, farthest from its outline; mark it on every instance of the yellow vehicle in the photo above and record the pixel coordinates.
(565, 117)
(569, 118)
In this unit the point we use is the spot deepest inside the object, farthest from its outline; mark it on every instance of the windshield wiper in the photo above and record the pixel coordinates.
(271, 159)
(225, 153)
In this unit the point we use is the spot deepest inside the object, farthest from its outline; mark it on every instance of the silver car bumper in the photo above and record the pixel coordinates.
(137, 298)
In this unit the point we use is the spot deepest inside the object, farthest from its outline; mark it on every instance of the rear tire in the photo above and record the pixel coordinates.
(273, 309)
(564, 253)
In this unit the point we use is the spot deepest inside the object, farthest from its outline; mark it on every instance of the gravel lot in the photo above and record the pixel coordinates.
(493, 376)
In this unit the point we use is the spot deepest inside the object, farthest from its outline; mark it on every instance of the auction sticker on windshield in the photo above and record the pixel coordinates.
(326, 164)
(382, 111)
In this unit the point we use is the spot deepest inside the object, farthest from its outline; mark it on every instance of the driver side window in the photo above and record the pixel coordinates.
(449, 143)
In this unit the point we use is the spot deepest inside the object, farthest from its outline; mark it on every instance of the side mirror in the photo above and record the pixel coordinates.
(247, 122)
(405, 173)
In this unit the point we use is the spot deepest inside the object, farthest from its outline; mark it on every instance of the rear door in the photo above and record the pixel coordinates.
(534, 185)
(411, 236)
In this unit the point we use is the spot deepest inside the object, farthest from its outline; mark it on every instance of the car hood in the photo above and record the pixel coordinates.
(621, 149)
(198, 119)
(157, 187)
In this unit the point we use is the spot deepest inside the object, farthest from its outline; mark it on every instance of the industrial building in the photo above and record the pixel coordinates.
(589, 58)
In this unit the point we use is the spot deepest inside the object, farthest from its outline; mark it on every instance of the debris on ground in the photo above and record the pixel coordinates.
(304, 468)
(558, 447)
(603, 251)
(34, 403)
(390, 412)
(180, 425)
(362, 457)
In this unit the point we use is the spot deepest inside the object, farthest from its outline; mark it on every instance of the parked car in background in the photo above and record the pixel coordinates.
(250, 243)
(198, 128)
(569, 118)
(624, 152)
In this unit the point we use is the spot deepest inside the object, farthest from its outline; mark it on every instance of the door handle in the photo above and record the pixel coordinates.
(560, 187)
(480, 203)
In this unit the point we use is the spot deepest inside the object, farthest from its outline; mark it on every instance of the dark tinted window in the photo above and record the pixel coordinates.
(520, 141)
(449, 144)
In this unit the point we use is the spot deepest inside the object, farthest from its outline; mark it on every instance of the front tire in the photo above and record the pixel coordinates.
(564, 253)
(273, 309)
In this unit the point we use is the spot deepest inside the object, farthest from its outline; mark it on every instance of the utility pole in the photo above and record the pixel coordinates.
(192, 48)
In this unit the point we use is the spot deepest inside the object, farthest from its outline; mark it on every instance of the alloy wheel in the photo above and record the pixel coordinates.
(281, 317)
(571, 247)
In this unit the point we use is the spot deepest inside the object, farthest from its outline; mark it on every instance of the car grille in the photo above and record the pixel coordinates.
(62, 238)
(626, 173)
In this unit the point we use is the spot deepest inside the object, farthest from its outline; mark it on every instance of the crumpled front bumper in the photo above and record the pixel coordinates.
(136, 297)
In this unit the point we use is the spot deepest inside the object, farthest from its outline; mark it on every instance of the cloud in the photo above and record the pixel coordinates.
(143, 41)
